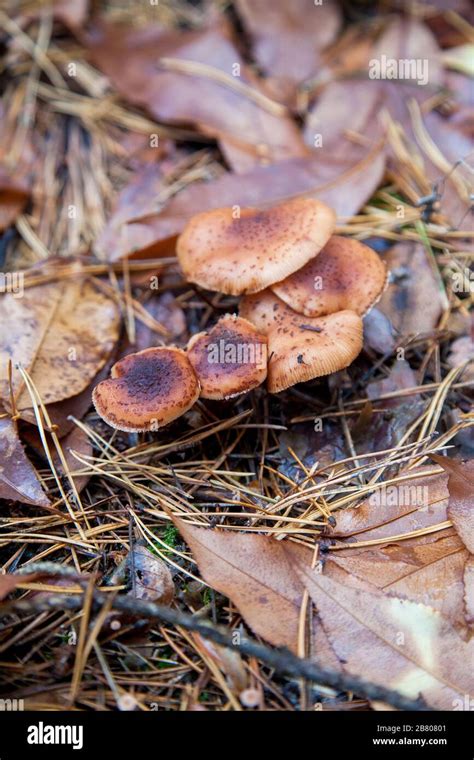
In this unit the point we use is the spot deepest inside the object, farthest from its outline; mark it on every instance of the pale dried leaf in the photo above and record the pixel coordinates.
(390, 641)
(61, 335)
(227, 660)
(412, 300)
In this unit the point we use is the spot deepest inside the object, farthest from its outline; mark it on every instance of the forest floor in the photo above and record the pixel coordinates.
(324, 519)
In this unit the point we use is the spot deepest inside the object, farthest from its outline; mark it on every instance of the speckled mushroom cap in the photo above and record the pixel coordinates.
(230, 359)
(346, 274)
(147, 390)
(247, 254)
(301, 348)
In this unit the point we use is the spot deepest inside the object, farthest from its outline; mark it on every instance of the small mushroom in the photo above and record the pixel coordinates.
(147, 390)
(245, 254)
(301, 348)
(346, 275)
(230, 359)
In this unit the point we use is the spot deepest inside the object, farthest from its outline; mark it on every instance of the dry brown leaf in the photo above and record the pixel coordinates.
(469, 589)
(72, 13)
(151, 578)
(432, 574)
(128, 228)
(334, 123)
(448, 141)
(167, 311)
(389, 564)
(462, 350)
(355, 105)
(415, 504)
(9, 582)
(255, 574)
(63, 412)
(76, 441)
(430, 568)
(227, 660)
(351, 111)
(14, 194)
(25, 320)
(18, 479)
(247, 131)
(386, 430)
(412, 300)
(461, 497)
(378, 636)
(463, 7)
(440, 586)
(406, 37)
(61, 335)
(400, 377)
(390, 641)
(345, 184)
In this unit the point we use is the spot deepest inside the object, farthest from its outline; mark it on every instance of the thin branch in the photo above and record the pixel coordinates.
(281, 659)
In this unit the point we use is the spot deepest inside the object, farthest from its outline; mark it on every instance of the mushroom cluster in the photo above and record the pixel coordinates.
(304, 293)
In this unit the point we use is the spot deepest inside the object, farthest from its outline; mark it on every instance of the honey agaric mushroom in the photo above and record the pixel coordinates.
(301, 348)
(230, 359)
(346, 274)
(246, 254)
(147, 390)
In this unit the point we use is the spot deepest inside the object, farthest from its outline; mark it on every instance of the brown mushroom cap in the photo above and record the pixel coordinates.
(230, 359)
(147, 390)
(249, 253)
(346, 274)
(301, 348)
